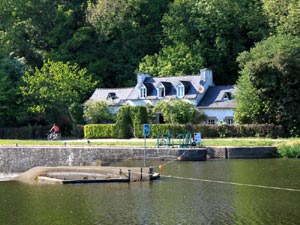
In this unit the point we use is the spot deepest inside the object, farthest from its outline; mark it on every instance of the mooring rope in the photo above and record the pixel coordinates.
(218, 181)
(232, 183)
(171, 160)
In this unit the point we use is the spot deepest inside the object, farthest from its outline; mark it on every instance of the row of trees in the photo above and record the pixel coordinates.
(108, 41)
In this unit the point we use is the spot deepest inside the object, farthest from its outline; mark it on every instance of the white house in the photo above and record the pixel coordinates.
(215, 101)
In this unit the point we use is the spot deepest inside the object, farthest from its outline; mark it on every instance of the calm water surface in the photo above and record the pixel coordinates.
(184, 199)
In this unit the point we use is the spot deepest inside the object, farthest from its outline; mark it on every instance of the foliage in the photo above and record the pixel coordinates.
(215, 131)
(24, 132)
(124, 127)
(248, 102)
(98, 112)
(208, 33)
(283, 16)
(176, 111)
(112, 39)
(11, 69)
(127, 30)
(270, 78)
(139, 117)
(99, 130)
(289, 151)
(55, 88)
(130, 120)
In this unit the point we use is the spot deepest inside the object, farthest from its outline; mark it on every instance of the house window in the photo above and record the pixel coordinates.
(161, 91)
(180, 91)
(212, 120)
(143, 92)
(159, 118)
(229, 120)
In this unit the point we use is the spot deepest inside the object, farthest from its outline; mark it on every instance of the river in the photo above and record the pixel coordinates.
(236, 191)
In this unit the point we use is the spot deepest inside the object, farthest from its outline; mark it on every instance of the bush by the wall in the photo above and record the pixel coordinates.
(99, 131)
(217, 131)
(289, 151)
(207, 131)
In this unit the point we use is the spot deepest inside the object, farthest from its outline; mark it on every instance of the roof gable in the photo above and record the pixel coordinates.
(214, 97)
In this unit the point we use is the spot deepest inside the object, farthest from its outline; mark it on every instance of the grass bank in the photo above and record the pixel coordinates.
(286, 147)
(152, 142)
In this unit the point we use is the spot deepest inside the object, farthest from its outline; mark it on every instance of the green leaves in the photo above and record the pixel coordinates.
(176, 111)
(98, 112)
(55, 87)
(269, 86)
(208, 33)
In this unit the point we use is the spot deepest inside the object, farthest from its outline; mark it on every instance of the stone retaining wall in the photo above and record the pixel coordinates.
(241, 152)
(20, 159)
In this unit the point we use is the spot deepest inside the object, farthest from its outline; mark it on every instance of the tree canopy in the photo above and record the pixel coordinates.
(56, 89)
(112, 40)
(271, 79)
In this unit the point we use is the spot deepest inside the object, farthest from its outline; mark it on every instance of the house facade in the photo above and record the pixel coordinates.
(215, 101)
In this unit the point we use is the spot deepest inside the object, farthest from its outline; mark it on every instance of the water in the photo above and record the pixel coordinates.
(170, 200)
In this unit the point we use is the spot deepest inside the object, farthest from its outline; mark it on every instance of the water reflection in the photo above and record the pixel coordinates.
(166, 201)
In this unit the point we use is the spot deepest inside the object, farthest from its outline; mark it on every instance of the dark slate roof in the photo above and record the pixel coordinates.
(111, 95)
(191, 81)
(213, 97)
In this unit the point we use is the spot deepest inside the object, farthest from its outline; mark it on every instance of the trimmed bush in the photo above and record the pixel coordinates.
(124, 128)
(139, 116)
(99, 131)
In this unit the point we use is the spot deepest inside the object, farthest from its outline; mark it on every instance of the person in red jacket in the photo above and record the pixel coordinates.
(55, 129)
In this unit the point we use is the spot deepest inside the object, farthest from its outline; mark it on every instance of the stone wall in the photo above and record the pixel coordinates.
(241, 152)
(20, 159)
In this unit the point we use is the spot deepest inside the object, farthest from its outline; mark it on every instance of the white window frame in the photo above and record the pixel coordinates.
(229, 120)
(161, 91)
(212, 120)
(143, 92)
(180, 90)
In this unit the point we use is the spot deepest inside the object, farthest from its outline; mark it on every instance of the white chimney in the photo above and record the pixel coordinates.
(141, 77)
(206, 76)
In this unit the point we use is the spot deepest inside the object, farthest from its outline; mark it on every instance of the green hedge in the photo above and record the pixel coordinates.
(207, 131)
(99, 131)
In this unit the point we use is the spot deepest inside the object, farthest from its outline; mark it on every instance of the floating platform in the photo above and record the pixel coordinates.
(85, 175)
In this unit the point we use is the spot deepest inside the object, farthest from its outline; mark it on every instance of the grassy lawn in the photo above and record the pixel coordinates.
(151, 142)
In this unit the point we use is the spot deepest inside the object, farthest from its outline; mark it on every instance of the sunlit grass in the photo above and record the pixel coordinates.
(151, 142)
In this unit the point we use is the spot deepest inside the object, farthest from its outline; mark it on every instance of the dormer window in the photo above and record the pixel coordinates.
(111, 95)
(227, 96)
(143, 92)
(161, 91)
(180, 90)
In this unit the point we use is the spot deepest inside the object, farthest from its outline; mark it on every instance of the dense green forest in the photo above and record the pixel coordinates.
(55, 52)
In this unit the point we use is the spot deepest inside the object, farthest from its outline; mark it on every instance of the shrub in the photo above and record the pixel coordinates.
(139, 116)
(124, 128)
(99, 131)
(290, 151)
